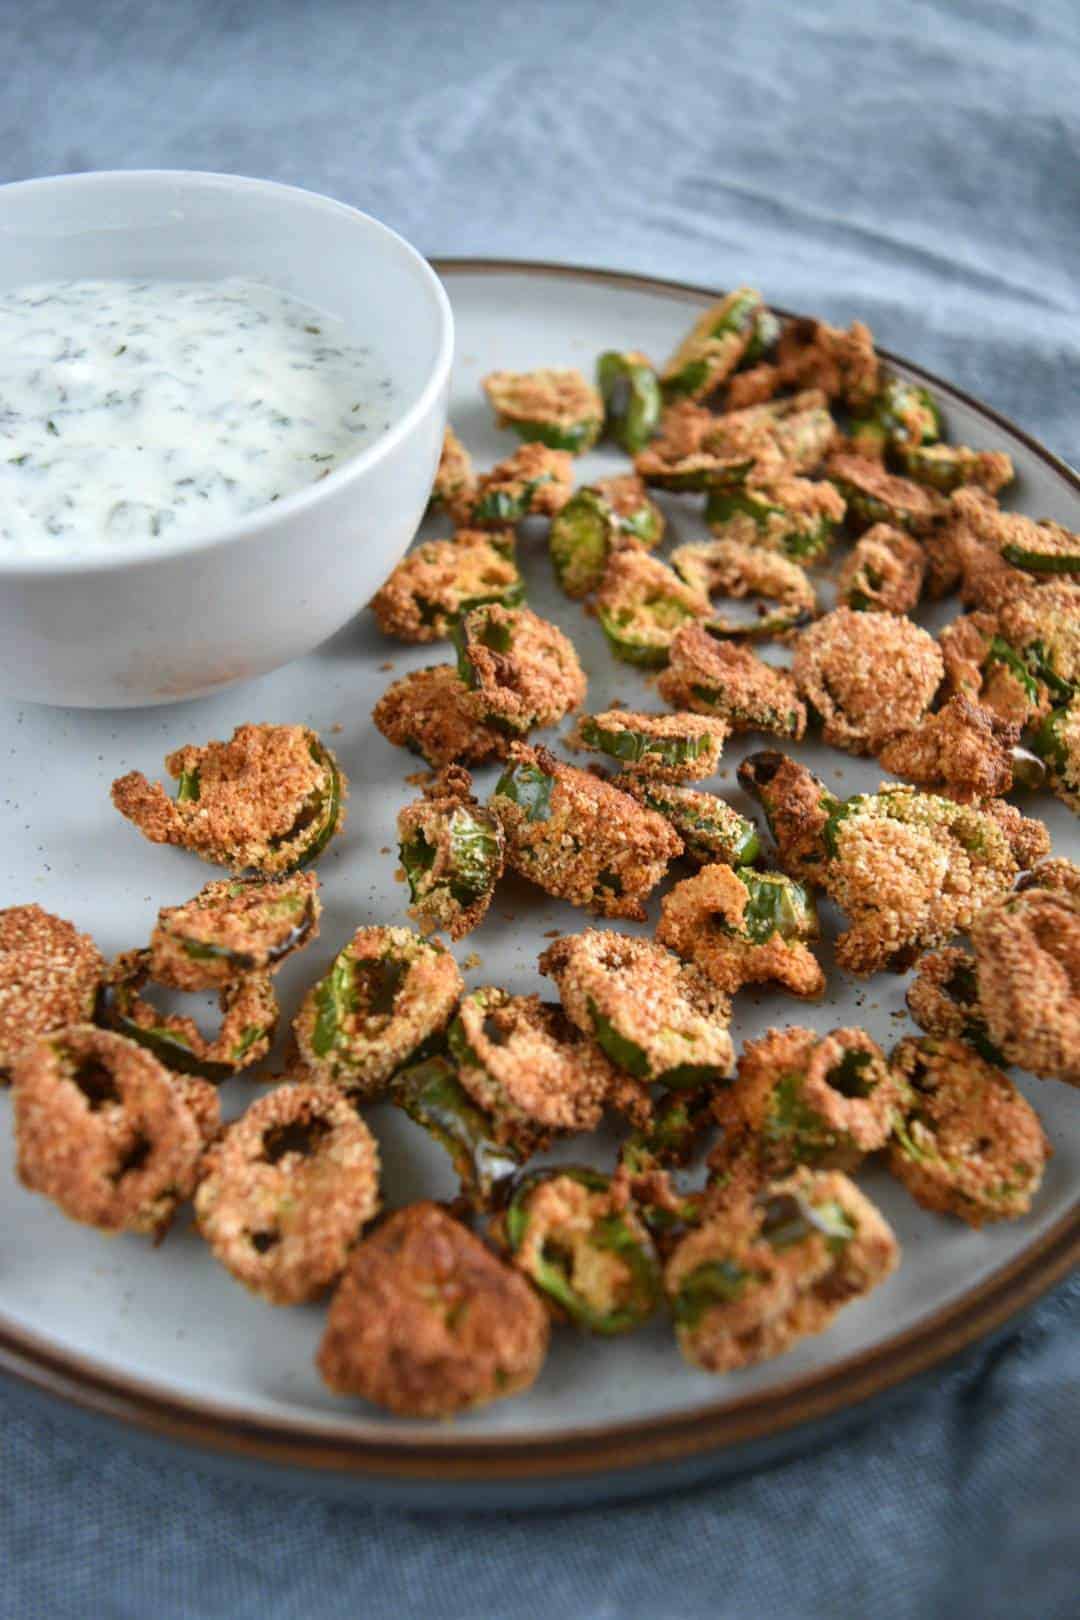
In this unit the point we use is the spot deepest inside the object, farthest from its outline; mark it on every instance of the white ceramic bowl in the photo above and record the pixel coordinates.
(163, 621)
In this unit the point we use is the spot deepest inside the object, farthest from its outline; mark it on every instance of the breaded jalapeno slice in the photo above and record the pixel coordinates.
(483, 1154)
(1027, 970)
(714, 346)
(876, 496)
(792, 516)
(731, 569)
(578, 838)
(287, 1191)
(868, 676)
(427, 1321)
(557, 408)
(653, 1015)
(454, 476)
(968, 1143)
(804, 1098)
(431, 587)
(50, 976)
(614, 514)
(521, 670)
(105, 1132)
(744, 927)
(386, 994)
(910, 869)
(451, 851)
(249, 1021)
(232, 927)
(528, 1067)
(946, 467)
(842, 364)
(533, 482)
(883, 573)
(943, 999)
(709, 828)
(900, 415)
(965, 751)
(641, 604)
(672, 747)
(630, 390)
(1057, 742)
(584, 1246)
(714, 677)
(430, 712)
(270, 799)
(767, 1270)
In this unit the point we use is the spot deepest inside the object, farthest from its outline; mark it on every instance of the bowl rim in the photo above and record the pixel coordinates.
(301, 501)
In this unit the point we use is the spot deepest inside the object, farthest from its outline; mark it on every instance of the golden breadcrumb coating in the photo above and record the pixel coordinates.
(429, 711)
(533, 482)
(714, 677)
(1027, 967)
(234, 926)
(50, 976)
(883, 573)
(454, 477)
(741, 928)
(671, 747)
(452, 854)
(521, 670)
(868, 675)
(964, 751)
(441, 579)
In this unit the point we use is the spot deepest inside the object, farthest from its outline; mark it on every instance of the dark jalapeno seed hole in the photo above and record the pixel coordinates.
(298, 1136)
(96, 1084)
(262, 1242)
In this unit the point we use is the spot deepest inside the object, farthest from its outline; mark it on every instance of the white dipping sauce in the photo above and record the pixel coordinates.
(131, 410)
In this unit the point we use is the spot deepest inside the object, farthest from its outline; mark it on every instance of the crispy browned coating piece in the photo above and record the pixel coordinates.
(429, 588)
(234, 926)
(534, 477)
(102, 1130)
(761, 1272)
(995, 683)
(452, 853)
(562, 401)
(943, 999)
(705, 920)
(672, 747)
(592, 845)
(883, 573)
(736, 569)
(714, 677)
(249, 1020)
(523, 671)
(874, 495)
(429, 712)
(286, 1192)
(963, 750)
(754, 386)
(529, 1067)
(261, 800)
(969, 1145)
(765, 517)
(428, 1322)
(641, 604)
(868, 675)
(50, 975)
(804, 1098)
(813, 354)
(1027, 956)
(454, 476)
(1057, 873)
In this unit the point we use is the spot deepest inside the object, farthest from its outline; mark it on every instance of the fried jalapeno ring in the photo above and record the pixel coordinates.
(630, 390)
(843, 365)
(670, 747)
(883, 573)
(792, 516)
(911, 869)
(430, 712)
(968, 1144)
(455, 480)
(585, 1249)
(432, 1095)
(249, 1021)
(714, 677)
(451, 852)
(533, 482)
(729, 568)
(388, 992)
(948, 467)
(641, 604)
(1057, 741)
(1027, 955)
(963, 750)
(943, 999)
(981, 665)
(270, 799)
(287, 1191)
(232, 927)
(528, 1067)
(744, 927)
(708, 826)
(50, 976)
(427, 1322)
(868, 676)
(521, 671)
(671, 1138)
(442, 579)
(714, 346)
(614, 514)
(556, 408)
(763, 1272)
(1058, 873)
(105, 1132)
(803, 1098)
(652, 1015)
(876, 496)
(578, 838)
(900, 416)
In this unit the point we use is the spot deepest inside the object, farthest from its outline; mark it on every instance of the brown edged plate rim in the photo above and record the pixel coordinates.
(404, 1453)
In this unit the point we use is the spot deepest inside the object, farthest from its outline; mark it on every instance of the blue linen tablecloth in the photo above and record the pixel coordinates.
(917, 165)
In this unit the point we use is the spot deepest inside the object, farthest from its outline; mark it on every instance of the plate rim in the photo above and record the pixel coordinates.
(592, 1449)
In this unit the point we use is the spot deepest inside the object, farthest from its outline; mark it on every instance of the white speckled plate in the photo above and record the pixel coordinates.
(166, 1341)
